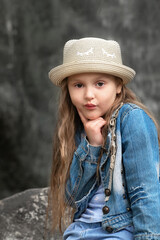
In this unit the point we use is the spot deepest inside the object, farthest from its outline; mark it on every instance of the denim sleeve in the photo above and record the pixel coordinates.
(82, 171)
(141, 165)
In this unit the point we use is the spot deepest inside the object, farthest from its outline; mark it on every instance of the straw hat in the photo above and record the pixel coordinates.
(91, 55)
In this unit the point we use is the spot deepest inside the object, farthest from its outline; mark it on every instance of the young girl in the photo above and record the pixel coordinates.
(106, 149)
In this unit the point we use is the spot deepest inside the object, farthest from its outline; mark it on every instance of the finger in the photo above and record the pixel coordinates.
(99, 125)
(82, 117)
(97, 122)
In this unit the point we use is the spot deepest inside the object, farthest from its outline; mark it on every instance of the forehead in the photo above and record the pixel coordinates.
(93, 76)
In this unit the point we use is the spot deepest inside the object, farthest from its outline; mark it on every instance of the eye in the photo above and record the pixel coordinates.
(78, 85)
(100, 84)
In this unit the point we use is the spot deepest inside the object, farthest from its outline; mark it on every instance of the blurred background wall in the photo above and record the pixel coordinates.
(32, 35)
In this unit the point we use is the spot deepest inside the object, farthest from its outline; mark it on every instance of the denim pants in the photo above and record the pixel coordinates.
(94, 231)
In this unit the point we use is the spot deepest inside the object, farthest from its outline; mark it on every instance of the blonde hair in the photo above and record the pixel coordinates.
(64, 147)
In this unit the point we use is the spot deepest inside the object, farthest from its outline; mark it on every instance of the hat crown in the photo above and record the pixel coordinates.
(92, 49)
(94, 55)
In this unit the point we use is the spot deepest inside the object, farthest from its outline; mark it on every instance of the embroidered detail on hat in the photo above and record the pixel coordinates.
(90, 51)
(108, 54)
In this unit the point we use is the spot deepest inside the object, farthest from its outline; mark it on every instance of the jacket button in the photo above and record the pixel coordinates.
(128, 209)
(102, 169)
(124, 196)
(109, 229)
(105, 209)
(107, 192)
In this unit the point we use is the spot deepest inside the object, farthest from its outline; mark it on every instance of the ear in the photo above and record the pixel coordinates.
(119, 88)
(119, 83)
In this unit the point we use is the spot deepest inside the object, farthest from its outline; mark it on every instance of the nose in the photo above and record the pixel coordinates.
(89, 93)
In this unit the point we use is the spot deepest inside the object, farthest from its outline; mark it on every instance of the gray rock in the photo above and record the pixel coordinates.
(23, 216)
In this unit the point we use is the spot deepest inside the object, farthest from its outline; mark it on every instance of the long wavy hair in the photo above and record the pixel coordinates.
(64, 146)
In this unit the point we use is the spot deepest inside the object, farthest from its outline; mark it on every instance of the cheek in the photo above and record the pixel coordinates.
(71, 96)
(74, 100)
(109, 96)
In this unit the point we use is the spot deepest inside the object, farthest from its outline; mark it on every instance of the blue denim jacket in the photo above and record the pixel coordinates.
(134, 198)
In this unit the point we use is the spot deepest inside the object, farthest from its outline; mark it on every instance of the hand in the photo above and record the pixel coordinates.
(93, 129)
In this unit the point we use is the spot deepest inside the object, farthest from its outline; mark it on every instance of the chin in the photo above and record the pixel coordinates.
(92, 117)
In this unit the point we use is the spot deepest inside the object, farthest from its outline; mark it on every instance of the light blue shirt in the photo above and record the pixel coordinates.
(93, 212)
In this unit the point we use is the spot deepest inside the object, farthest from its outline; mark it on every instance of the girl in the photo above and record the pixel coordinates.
(106, 149)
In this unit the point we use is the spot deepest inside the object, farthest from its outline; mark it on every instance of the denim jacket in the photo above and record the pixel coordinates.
(134, 195)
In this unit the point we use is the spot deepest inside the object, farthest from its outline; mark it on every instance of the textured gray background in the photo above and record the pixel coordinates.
(32, 35)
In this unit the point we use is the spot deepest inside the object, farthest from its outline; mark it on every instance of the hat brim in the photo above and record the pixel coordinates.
(58, 74)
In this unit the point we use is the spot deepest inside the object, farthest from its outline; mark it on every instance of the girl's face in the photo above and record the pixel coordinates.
(93, 93)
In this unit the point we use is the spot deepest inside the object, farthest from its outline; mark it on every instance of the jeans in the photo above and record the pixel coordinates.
(94, 231)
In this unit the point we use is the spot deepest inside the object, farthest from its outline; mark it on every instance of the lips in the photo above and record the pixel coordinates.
(90, 106)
